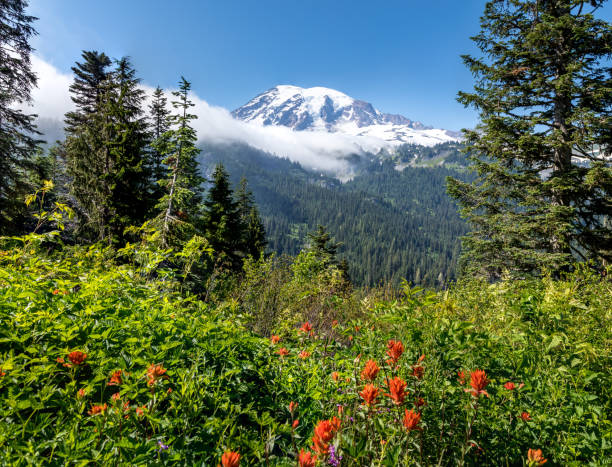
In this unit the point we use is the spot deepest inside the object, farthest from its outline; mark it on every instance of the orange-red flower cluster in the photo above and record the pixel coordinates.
(478, 381)
(461, 377)
(369, 394)
(324, 432)
(81, 393)
(510, 386)
(306, 328)
(395, 349)
(115, 379)
(411, 420)
(335, 375)
(525, 416)
(306, 459)
(230, 459)
(397, 388)
(154, 373)
(304, 354)
(295, 423)
(535, 457)
(77, 357)
(282, 351)
(275, 339)
(2, 373)
(292, 406)
(97, 409)
(370, 370)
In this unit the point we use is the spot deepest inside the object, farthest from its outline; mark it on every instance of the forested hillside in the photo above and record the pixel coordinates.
(394, 224)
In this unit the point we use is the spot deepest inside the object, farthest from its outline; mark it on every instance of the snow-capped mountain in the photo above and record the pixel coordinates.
(328, 110)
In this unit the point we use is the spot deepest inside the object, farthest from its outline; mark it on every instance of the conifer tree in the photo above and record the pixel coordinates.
(106, 148)
(253, 239)
(88, 88)
(159, 124)
(180, 206)
(542, 148)
(221, 218)
(17, 129)
(128, 140)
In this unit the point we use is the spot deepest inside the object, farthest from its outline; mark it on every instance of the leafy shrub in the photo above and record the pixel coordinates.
(166, 377)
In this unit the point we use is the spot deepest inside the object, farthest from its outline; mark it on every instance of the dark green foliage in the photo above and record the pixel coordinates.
(159, 125)
(106, 149)
(393, 224)
(226, 387)
(253, 241)
(88, 88)
(17, 130)
(544, 93)
(222, 219)
(180, 206)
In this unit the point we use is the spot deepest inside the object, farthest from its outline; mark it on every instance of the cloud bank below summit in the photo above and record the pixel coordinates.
(313, 149)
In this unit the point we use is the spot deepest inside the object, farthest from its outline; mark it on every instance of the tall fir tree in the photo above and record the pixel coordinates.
(180, 206)
(159, 125)
(88, 88)
(130, 181)
(106, 148)
(253, 238)
(222, 220)
(542, 148)
(18, 132)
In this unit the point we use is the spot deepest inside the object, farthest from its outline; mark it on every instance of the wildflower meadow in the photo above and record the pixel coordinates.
(105, 362)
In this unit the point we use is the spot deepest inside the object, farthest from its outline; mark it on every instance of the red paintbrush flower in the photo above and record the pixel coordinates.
(155, 373)
(97, 409)
(304, 354)
(478, 381)
(323, 433)
(306, 459)
(509, 386)
(230, 459)
(77, 357)
(411, 419)
(275, 339)
(282, 352)
(395, 349)
(397, 388)
(535, 457)
(115, 379)
(369, 394)
(370, 370)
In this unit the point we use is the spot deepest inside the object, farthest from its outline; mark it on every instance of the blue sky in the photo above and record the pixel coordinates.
(402, 56)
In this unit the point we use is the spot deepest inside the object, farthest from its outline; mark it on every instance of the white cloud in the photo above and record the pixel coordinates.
(51, 99)
(318, 150)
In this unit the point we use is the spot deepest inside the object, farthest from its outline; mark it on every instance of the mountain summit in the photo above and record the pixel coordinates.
(328, 110)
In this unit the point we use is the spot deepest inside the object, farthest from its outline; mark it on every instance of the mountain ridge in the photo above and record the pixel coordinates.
(328, 110)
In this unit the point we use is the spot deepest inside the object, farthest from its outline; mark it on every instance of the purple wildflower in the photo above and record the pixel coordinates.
(333, 459)
(162, 446)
